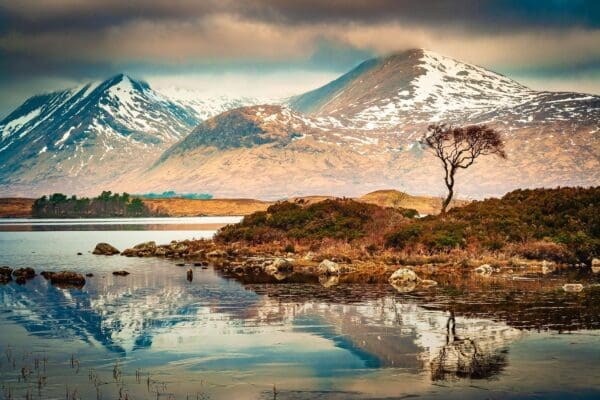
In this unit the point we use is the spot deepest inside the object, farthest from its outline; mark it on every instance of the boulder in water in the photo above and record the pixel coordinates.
(327, 267)
(65, 278)
(596, 265)
(25, 273)
(5, 274)
(120, 273)
(404, 280)
(105, 249)
(572, 287)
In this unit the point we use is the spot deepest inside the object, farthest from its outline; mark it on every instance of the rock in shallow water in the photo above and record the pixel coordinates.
(120, 273)
(5, 274)
(572, 287)
(596, 265)
(404, 280)
(25, 273)
(105, 249)
(68, 278)
(327, 267)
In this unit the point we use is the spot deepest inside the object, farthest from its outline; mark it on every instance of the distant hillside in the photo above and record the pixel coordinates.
(393, 198)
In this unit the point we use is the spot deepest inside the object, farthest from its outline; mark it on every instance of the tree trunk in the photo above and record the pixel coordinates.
(450, 185)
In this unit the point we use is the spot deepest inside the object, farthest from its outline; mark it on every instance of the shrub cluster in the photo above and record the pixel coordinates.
(561, 224)
(340, 219)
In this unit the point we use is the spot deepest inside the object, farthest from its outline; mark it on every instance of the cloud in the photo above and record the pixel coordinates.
(81, 39)
(478, 14)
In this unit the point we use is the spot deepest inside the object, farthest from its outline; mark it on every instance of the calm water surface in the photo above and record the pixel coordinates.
(154, 334)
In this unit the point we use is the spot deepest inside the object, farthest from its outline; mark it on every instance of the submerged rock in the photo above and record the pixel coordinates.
(572, 287)
(25, 273)
(329, 280)
(120, 273)
(427, 283)
(105, 249)
(5, 274)
(66, 278)
(327, 267)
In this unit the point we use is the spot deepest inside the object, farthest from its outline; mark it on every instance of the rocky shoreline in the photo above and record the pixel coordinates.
(263, 265)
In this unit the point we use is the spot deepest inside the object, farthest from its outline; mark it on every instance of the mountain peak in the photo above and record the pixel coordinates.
(125, 82)
(409, 86)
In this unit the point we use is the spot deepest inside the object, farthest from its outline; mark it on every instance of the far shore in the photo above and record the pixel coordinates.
(15, 207)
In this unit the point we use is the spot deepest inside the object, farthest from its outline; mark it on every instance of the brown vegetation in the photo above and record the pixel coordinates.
(13, 207)
(552, 224)
(423, 204)
(177, 207)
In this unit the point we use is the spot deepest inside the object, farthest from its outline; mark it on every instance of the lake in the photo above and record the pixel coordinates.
(154, 334)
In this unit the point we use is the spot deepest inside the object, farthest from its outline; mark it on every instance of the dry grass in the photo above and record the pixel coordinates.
(15, 207)
(396, 199)
(214, 207)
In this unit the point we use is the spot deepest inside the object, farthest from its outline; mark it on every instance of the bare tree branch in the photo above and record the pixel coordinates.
(459, 147)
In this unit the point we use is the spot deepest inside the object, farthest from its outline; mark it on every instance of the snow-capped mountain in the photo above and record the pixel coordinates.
(419, 86)
(356, 134)
(360, 133)
(93, 132)
(205, 105)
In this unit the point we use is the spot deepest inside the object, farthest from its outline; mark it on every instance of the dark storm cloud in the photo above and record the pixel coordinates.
(84, 39)
(479, 14)
(498, 15)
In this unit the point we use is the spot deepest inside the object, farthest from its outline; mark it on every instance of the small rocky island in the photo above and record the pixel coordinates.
(344, 241)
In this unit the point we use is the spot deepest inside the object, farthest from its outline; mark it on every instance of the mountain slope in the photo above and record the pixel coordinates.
(92, 133)
(361, 131)
(357, 134)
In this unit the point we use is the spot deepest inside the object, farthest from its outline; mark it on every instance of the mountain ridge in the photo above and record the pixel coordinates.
(360, 133)
(363, 135)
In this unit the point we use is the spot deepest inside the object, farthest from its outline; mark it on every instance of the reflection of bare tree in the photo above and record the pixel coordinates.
(461, 357)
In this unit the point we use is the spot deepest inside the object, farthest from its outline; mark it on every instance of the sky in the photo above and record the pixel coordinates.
(276, 48)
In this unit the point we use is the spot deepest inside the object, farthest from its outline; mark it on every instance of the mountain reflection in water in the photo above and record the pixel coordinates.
(219, 337)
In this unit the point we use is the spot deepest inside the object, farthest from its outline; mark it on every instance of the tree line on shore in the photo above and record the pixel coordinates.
(107, 204)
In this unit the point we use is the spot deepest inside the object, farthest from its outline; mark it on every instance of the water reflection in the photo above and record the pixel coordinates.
(112, 224)
(127, 314)
(229, 338)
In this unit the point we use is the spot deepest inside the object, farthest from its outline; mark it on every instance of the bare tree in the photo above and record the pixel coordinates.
(459, 147)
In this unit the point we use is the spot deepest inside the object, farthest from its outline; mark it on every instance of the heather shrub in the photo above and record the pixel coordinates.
(543, 250)
(340, 219)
